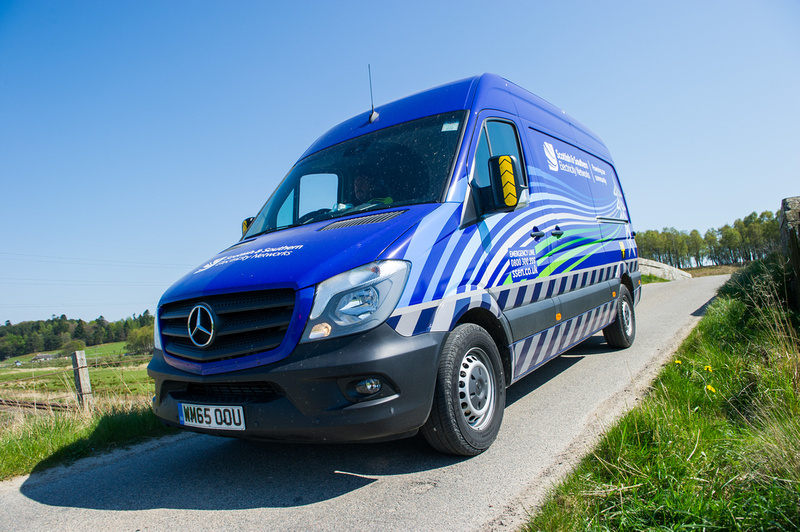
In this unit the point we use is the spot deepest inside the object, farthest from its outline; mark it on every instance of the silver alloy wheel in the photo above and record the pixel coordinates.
(476, 391)
(627, 319)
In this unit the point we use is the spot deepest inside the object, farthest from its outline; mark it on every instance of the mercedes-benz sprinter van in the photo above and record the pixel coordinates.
(415, 262)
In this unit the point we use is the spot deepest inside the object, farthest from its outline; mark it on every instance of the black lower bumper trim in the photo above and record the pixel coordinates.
(309, 395)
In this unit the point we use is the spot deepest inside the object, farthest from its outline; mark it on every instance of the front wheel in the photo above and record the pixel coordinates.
(470, 394)
(622, 332)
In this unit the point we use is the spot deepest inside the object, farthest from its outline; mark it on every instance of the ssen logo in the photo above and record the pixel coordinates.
(201, 325)
(550, 153)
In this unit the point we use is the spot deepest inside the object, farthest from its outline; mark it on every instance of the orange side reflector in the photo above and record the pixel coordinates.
(558, 317)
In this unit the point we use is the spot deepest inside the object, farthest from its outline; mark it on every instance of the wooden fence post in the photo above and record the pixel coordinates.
(82, 384)
(789, 223)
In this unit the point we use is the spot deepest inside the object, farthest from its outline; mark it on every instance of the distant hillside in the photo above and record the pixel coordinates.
(50, 335)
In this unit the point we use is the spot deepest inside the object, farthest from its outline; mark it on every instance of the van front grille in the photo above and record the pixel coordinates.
(226, 393)
(244, 324)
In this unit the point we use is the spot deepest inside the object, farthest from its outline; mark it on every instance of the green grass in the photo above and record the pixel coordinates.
(648, 278)
(39, 441)
(111, 374)
(99, 352)
(115, 348)
(121, 415)
(716, 443)
(121, 381)
(112, 381)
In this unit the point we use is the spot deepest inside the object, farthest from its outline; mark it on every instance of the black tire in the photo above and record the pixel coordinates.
(470, 394)
(622, 332)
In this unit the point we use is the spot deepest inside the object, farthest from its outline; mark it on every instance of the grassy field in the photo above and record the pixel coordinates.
(120, 415)
(57, 384)
(113, 375)
(716, 443)
(105, 350)
(36, 441)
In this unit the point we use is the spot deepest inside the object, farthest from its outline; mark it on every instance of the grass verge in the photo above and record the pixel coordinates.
(35, 441)
(716, 443)
(648, 278)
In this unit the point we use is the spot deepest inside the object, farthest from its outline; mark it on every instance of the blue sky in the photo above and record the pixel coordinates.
(135, 136)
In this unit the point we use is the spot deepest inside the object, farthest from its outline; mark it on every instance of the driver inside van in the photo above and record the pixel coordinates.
(370, 190)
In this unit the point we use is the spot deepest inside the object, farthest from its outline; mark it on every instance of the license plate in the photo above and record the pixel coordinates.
(211, 416)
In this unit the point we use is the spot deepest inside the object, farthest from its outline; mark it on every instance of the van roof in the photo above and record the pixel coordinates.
(487, 91)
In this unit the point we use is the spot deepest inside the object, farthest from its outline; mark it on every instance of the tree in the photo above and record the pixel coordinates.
(70, 347)
(712, 245)
(697, 247)
(99, 336)
(34, 343)
(146, 319)
(64, 338)
(140, 341)
(750, 238)
(61, 325)
(12, 345)
(51, 341)
(731, 241)
(80, 330)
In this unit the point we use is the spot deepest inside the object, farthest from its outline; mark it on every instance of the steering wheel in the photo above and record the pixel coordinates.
(311, 215)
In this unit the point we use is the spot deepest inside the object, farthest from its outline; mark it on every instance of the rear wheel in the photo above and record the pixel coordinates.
(622, 332)
(470, 394)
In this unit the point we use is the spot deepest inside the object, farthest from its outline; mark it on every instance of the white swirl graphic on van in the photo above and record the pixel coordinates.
(550, 153)
(263, 253)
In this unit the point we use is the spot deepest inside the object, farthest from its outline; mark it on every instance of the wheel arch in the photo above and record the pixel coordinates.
(497, 330)
(628, 282)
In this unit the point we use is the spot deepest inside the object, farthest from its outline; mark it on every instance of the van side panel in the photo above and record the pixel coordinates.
(566, 288)
(565, 178)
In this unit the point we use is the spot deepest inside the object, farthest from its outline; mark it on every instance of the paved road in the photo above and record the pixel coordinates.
(196, 482)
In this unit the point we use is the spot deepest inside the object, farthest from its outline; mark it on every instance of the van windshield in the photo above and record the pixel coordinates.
(400, 165)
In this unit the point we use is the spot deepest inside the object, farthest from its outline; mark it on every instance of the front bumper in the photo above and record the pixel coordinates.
(311, 396)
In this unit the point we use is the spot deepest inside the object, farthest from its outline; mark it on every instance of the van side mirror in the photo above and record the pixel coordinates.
(506, 181)
(246, 225)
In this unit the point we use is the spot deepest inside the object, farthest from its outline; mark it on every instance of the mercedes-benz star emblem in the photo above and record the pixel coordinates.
(201, 325)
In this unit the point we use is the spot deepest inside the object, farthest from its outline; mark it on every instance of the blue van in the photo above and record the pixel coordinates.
(415, 262)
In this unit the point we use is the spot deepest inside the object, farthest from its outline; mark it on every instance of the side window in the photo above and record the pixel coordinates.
(482, 155)
(284, 216)
(607, 194)
(318, 191)
(315, 192)
(497, 138)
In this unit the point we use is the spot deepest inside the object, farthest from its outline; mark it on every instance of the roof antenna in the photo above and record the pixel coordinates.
(373, 116)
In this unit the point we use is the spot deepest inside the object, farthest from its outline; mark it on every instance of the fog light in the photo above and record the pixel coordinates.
(320, 330)
(368, 386)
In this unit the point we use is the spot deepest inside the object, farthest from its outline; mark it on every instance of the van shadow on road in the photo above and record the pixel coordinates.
(207, 473)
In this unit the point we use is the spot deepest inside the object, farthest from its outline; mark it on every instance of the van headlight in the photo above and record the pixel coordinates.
(157, 333)
(357, 300)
